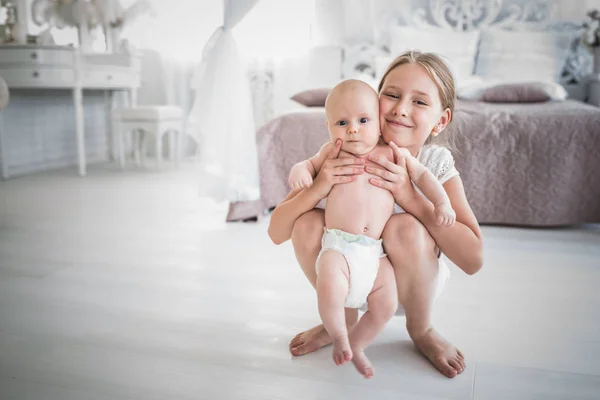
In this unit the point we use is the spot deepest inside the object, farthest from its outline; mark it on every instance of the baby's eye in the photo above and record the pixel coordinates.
(364, 120)
(342, 123)
(391, 95)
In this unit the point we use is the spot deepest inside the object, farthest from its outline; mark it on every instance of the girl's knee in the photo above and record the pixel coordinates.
(308, 231)
(406, 234)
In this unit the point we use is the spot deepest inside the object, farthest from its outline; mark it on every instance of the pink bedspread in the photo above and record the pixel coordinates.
(521, 164)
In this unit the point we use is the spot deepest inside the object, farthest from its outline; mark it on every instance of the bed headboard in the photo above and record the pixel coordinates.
(462, 16)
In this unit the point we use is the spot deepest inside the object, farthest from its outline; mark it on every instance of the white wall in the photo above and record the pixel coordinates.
(576, 9)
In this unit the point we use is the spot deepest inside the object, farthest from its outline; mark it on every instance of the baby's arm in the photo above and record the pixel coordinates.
(432, 189)
(302, 173)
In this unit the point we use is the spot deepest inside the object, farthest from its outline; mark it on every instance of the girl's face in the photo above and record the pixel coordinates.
(410, 107)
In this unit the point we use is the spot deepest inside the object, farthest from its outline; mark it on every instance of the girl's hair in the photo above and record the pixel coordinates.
(439, 73)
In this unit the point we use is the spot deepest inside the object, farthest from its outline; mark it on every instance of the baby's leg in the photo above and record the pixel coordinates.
(382, 302)
(332, 289)
(306, 238)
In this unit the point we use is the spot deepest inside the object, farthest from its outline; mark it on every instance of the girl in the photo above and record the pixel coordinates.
(417, 98)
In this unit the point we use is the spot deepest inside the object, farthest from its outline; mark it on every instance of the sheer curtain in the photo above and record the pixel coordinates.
(177, 31)
(223, 116)
(269, 34)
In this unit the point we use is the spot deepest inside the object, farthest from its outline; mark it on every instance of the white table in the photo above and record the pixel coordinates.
(61, 67)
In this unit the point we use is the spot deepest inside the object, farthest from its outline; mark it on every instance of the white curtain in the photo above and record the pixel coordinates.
(222, 114)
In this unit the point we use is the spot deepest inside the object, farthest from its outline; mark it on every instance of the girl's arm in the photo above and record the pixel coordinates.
(462, 243)
(285, 214)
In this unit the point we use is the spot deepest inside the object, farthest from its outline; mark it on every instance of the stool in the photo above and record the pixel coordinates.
(152, 121)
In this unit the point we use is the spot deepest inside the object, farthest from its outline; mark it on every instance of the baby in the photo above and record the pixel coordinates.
(349, 273)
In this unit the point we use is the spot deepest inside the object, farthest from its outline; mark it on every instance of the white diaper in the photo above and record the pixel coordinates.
(362, 253)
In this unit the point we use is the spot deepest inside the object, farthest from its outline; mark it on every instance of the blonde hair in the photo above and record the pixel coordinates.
(439, 73)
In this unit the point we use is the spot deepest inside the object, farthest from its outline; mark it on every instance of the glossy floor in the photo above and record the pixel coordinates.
(127, 285)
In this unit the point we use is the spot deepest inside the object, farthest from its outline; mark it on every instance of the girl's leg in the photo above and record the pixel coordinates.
(414, 256)
(306, 239)
(332, 288)
(383, 303)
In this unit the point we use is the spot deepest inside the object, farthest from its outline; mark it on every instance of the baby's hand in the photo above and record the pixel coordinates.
(444, 215)
(300, 177)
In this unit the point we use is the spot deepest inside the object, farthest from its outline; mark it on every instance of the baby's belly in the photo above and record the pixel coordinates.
(359, 207)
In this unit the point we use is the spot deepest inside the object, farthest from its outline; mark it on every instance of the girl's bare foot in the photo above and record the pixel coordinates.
(442, 354)
(309, 341)
(341, 350)
(362, 364)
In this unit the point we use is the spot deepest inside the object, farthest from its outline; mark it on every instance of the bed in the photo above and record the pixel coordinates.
(526, 164)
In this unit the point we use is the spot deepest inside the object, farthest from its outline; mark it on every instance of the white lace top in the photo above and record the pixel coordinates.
(437, 159)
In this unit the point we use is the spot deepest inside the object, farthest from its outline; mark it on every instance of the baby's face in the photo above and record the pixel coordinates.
(353, 116)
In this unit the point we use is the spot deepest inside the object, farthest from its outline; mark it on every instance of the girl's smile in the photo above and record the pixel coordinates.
(398, 124)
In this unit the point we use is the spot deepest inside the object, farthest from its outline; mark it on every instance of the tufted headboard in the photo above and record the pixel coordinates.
(461, 16)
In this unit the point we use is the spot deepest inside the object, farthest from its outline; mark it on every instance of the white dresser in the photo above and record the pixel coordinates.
(59, 67)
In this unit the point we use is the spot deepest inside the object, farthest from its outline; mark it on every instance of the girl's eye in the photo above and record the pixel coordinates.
(364, 120)
(342, 123)
(420, 102)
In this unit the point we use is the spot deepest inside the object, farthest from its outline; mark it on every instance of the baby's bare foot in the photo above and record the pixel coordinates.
(341, 350)
(362, 364)
(309, 341)
(442, 354)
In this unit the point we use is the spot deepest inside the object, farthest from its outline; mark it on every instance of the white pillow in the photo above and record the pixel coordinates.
(458, 48)
(523, 56)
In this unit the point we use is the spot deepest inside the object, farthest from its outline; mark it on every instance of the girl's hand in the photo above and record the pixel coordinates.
(336, 171)
(394, 177)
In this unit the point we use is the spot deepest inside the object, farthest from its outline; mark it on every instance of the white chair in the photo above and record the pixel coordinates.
(152, 120)
(145, 123)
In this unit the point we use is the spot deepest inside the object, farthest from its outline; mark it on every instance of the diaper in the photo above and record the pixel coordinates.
(362, 253)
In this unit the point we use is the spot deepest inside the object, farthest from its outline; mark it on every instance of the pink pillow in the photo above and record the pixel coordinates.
(312, 97)
(515, 93)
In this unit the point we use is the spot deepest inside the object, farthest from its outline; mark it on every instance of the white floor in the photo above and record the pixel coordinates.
(127, 285)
